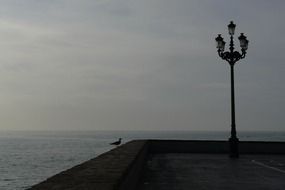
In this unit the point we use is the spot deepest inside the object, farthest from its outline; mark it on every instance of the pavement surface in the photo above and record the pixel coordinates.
(214, 172)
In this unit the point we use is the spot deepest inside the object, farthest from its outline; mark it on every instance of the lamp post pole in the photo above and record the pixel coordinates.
(232, 57)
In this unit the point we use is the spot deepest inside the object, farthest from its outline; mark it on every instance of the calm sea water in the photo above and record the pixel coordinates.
(27, 158)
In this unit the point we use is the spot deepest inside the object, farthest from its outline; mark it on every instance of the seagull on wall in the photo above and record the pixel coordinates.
(117, 143)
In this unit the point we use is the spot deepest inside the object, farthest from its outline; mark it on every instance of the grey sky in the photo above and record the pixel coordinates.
(140, 65)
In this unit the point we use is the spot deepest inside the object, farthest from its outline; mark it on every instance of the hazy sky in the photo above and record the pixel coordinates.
(138, 64)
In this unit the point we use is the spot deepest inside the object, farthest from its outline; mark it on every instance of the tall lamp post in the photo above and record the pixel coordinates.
(232, 57)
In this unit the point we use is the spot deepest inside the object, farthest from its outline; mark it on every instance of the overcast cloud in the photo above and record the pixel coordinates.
(138, 65)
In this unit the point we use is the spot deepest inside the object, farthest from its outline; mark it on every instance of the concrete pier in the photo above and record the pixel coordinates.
(176, 171)
(176, 164)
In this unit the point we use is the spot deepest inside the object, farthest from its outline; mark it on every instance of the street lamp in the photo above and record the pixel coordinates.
(232, 57)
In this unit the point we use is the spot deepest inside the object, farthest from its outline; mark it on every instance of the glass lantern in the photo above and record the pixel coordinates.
(231, 28)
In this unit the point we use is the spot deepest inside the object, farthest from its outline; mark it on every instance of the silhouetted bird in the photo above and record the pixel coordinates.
(117, 142)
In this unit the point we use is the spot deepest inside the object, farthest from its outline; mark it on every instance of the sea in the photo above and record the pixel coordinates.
(29, 157)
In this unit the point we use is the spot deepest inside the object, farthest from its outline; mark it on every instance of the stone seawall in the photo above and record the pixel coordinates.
(117, 169)
(198, 146)
(121, 168)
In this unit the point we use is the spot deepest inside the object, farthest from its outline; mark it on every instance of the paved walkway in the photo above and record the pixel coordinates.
(214, 172)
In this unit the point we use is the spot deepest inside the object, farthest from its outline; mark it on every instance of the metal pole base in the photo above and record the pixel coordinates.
(233, 145)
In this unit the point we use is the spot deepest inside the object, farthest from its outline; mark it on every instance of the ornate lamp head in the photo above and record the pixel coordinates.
(220, 43)
(243, 42)
(231, 28)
